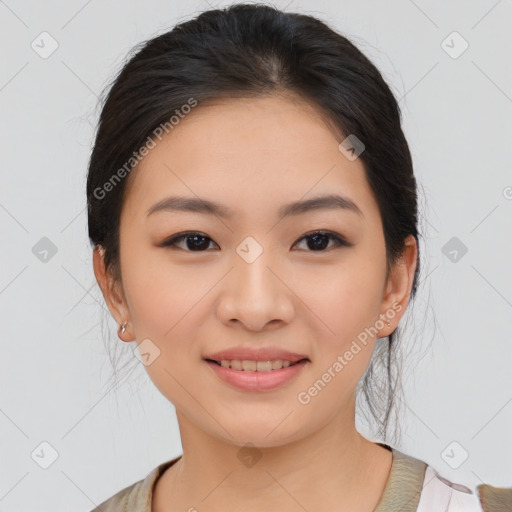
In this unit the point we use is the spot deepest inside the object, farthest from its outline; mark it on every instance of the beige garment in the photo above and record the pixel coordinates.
(413, 486)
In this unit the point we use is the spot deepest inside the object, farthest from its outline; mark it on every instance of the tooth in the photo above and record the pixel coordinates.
(264, 366)
(236, 365)
(249, 366)
(253, 366)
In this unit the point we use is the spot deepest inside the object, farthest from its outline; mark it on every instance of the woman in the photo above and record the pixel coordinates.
(253, 211)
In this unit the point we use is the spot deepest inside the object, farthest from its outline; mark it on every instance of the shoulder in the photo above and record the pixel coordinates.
(131, 498)
(438, 493)
(118, 502)
(414, 486)
(137, 496)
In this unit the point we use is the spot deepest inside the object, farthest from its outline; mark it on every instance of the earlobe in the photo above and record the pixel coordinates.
(114, 299)
(121, 332)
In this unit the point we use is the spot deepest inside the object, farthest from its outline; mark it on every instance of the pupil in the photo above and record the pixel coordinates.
(320, 245)
(195, 247)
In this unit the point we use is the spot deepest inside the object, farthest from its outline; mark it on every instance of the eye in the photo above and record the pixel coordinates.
(195, 242)
(198, 242)
(320, 240)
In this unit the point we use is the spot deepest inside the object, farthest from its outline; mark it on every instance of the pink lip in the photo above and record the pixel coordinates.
(257, 381)
(256, 354)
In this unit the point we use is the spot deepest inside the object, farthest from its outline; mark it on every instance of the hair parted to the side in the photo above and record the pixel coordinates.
(249, 50)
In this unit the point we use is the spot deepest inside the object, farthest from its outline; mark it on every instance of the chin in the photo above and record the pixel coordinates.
(262, 434)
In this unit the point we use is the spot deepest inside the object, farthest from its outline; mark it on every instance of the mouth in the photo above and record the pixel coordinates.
(257, 366)
(257, 376)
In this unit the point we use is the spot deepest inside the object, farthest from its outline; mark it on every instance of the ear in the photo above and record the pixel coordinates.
(397, 290)
(112, 292)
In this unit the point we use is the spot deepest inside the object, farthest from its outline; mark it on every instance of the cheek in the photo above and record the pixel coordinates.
(160, 295)
(162, 310)
(344, 299)
(164, 303)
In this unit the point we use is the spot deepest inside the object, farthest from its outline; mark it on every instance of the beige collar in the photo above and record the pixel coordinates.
(405, 483)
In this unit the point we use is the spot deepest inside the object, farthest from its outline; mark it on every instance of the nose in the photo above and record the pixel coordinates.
(254, 295)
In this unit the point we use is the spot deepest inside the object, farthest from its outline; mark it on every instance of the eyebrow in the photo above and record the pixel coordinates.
(204, 206)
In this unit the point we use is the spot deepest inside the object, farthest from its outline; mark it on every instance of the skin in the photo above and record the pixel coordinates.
(254, 155)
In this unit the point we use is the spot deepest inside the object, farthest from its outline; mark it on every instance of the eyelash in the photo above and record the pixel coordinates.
(339, 240)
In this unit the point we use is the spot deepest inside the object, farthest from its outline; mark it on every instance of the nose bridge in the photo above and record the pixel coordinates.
(255, 295)
(252, 263)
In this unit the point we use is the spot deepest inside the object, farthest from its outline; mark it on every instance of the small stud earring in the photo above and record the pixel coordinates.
(123, 328)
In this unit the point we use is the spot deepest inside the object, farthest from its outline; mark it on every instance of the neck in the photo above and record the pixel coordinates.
(333, 467)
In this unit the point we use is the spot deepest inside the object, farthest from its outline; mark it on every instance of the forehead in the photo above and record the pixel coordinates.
(253, 155)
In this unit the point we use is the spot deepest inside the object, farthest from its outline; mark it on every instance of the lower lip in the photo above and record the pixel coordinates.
(257, 381)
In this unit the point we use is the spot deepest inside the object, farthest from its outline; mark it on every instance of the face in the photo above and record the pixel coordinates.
(312, 282)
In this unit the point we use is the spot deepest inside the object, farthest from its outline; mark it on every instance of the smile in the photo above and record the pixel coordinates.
(253, 378)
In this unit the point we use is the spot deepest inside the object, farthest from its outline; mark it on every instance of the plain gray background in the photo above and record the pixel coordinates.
(457, 109)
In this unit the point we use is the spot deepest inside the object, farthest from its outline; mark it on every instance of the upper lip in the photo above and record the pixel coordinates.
(255, 354)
